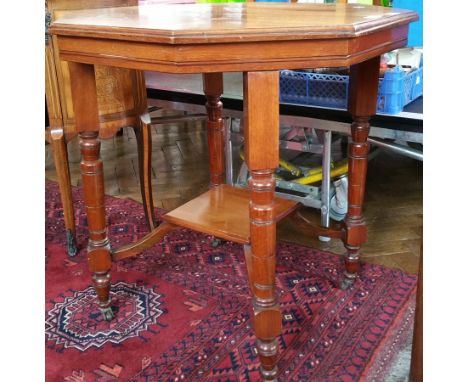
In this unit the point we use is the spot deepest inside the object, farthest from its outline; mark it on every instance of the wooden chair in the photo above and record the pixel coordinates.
(122, 102)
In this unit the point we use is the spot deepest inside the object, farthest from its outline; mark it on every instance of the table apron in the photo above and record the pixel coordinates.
(230, 57)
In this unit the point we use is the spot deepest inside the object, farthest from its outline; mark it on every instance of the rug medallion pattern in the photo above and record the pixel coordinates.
(77, 322)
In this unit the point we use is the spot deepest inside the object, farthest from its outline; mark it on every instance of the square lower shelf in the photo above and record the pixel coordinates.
(223, 211)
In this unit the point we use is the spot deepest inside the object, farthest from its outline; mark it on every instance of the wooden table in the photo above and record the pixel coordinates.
(257, 39)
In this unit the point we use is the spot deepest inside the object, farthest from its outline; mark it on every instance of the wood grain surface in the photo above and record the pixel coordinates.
(223, 211)
(213, 38)
(201, 23)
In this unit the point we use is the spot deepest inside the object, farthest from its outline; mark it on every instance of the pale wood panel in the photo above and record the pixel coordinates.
(223, 211)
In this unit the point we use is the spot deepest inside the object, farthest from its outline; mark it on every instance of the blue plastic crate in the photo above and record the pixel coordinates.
(397, 89)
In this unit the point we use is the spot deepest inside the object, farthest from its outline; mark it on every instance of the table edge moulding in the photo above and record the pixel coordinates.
(259, 40)
(229, 49)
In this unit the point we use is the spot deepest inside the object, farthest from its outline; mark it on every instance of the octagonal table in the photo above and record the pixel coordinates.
(257, 39)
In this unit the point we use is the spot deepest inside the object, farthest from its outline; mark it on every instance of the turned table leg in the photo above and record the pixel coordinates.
(87, 122)
(213, 88)
(363, 87)
(261, 116)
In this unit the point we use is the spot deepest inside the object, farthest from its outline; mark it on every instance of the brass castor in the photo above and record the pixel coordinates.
(346, 283)
(71, 244)
(217, 242)
(107, 313)
(269, 376)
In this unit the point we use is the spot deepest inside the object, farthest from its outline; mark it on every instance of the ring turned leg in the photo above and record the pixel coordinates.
(267, 315)
(261, 115)
(356, 229)
(363, 88)
(83, 86)
(99, 257)
(213, 88)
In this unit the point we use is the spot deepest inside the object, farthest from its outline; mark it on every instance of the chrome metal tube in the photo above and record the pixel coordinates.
(228, 151)
(399, 149)
(175, 119)
(326, 161)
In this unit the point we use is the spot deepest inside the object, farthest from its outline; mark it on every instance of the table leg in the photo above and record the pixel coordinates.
(85, 105)
(261, 116)
(213, 88)
(363, 88)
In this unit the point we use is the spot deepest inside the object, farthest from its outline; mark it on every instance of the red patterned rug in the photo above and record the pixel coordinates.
(183, 310)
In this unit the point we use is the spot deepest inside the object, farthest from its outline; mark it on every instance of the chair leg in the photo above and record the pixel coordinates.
(59, 148)
(143, 136)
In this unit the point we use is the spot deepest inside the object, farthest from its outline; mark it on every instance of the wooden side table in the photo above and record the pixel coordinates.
(258, 39)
